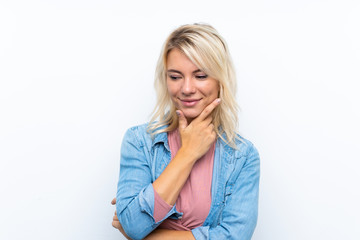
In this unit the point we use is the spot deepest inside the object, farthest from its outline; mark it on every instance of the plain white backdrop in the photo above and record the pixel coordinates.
(75, 74)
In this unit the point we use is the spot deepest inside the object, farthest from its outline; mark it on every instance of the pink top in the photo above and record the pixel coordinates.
(195, 197)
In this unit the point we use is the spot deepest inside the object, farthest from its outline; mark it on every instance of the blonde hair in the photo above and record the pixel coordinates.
(203, 45)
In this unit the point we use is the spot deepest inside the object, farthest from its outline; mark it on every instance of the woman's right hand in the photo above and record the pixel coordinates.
(196, 139)
(198, 136)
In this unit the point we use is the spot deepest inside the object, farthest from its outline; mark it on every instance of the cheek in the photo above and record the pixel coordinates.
(172, 93)
(170, 88)
(217, 92)
(217, 89)
(173, 88)
(213, 90)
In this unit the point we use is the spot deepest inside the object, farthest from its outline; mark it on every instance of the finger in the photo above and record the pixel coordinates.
(113, 202)
(115, 213)
(182, 120)
(213, 136)
(206, 112)
(207, 121)
(115, 218)
(116, 224)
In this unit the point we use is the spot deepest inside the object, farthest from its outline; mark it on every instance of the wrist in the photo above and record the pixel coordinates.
(187, 154)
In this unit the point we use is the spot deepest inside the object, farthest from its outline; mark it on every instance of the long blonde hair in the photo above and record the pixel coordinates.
(203, 45)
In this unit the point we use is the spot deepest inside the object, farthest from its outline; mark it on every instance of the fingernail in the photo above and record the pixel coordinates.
(178, 113)
(218, 100)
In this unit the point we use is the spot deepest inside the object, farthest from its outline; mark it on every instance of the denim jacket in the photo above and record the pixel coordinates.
(234, 189)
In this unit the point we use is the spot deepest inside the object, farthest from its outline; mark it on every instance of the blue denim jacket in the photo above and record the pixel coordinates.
(234, 189)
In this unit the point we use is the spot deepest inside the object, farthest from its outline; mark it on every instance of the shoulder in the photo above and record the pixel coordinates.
(245, 148)
(137, 134)
(244, 145)
(138, 129)
(244, 159)
(141, 135)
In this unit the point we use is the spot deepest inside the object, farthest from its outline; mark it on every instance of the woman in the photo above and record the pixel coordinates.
(188, 174)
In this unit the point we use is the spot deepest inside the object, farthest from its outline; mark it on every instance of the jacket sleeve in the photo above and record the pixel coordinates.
(239, 214)
(135, 194)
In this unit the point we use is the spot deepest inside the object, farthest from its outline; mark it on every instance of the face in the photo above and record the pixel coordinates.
(191, 90)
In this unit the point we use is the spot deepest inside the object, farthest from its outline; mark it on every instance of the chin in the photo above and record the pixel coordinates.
(191, 114)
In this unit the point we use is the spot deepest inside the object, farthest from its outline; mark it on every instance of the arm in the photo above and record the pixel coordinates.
(239, 216)
(162, 234)
(135, 195)
(196, 139)
(165, 234)
(115, 222)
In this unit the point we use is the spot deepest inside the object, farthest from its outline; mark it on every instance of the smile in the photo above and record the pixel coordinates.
(189, 102)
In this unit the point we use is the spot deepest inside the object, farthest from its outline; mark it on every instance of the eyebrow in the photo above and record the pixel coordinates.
(176, 71)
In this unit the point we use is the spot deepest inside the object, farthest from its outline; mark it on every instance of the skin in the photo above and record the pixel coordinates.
(195, 96)
(191, 90)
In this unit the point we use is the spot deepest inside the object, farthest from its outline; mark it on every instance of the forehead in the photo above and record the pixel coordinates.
(178, 60)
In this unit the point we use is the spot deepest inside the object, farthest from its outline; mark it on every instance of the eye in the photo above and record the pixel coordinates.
(201, 76)
(174, 77)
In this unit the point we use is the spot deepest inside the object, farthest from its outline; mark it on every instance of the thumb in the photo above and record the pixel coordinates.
(113, 202)
(182, 120)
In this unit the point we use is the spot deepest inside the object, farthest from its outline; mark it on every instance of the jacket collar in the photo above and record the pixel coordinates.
(161, 138)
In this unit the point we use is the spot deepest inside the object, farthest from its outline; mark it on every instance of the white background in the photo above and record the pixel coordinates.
(75, 74)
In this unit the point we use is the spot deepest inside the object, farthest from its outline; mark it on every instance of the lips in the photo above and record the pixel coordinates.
(189, 102)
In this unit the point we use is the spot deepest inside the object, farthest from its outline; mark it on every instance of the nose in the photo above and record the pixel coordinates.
(188, 86)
